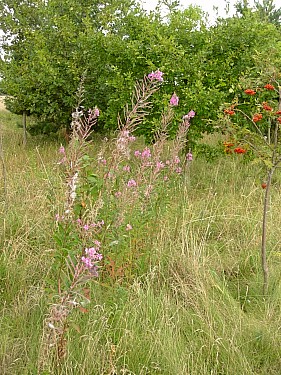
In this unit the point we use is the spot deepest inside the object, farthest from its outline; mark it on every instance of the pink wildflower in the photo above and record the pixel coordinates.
(98, 257)
(86, 227)
(165, 178)
(96, 112)
(103, 161)
(187, 117)
(93, 254)
(174, 100)
(62, 150)
(146, 153)
(87, 262)
(129, 227)
(159, 165)
(126, 168)
(189, 156)
(156, 76)
(179, 170)
(131, 183)
(177, 160)
(118, 194)
(137, 153)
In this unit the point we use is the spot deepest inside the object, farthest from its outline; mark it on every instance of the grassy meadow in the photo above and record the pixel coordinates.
(191, 303)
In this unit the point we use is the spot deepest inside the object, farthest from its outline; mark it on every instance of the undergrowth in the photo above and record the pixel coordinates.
(192, 302)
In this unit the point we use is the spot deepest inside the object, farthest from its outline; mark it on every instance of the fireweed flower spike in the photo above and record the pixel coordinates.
(178, 170)
(131, 183)
(96, 112)
(146, 153)
(189, 156)
(191, 114)
(159, 165)
(62, 150)
(156, 76)
(92, 257)
(174, 101)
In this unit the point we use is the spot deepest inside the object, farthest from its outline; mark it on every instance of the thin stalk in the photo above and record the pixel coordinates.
(264, 222)
(275, 163)
(24, 128)
(3, 168)
(255, 125)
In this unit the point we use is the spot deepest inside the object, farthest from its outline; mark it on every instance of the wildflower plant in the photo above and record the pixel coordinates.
(77, 254)
(130, 175)
(107, 196)
(260, 134)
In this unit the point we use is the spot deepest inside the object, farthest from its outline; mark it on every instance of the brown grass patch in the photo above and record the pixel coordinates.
(2, 105)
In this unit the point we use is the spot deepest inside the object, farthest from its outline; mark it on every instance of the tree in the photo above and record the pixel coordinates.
(115, 42)
(268, 12)
(50, 45)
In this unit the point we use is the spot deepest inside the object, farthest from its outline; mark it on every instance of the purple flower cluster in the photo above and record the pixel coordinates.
(174, 101)
(145, 154)
(189, 156)
(158, 76)
(190, 115)
(92, 257)
(131, 183)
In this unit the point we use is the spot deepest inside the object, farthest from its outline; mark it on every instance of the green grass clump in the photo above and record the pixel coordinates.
(194, 303)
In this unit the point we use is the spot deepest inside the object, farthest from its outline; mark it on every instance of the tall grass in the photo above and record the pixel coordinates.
(195, 306)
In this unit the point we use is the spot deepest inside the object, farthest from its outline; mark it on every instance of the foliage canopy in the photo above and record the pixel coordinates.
(48, 46)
